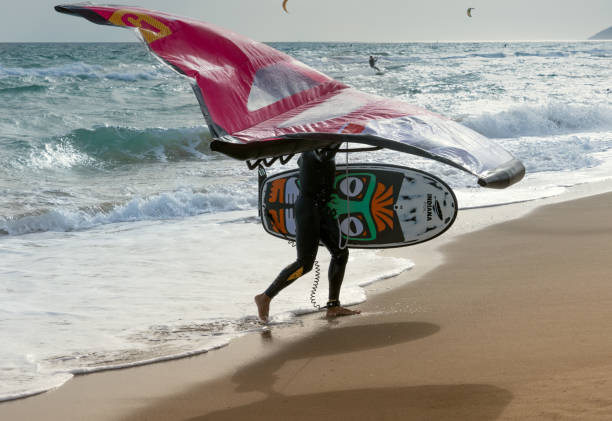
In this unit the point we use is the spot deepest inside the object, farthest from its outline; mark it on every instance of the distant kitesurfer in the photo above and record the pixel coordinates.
(373, 61)
(314, 223)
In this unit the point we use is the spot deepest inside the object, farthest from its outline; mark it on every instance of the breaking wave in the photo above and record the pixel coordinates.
(541, 54)
(542, 120)
(172, 205)
(80, 70)
(111, 145)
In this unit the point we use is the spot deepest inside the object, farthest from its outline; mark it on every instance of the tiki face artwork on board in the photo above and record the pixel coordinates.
(363, 206)
(376, 205)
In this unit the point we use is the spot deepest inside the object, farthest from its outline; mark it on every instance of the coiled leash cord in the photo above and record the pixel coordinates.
(315, 285)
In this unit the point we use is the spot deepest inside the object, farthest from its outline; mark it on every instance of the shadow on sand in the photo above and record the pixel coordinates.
(261, 377)
(430, 402)
(416, 402)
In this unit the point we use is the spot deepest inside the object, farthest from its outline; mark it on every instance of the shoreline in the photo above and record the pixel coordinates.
(112, 394)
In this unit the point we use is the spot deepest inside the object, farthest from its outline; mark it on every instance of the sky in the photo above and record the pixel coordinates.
(334, 20)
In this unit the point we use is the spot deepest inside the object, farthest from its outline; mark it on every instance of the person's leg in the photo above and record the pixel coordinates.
(307, 244)
(335, 274)
(330, 237)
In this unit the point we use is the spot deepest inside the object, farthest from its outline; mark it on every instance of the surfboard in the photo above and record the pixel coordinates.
(376, 205)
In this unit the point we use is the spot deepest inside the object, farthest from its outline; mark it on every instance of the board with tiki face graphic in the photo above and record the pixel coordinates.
(376, 205)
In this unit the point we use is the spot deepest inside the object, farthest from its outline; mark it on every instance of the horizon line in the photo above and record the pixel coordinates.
(336, 42)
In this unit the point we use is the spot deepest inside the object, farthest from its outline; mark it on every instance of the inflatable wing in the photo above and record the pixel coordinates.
(260, 103)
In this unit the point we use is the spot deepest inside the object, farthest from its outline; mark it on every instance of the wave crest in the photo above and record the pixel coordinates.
(542, 120)
(80, 70)
(172, 205)
(111, 145)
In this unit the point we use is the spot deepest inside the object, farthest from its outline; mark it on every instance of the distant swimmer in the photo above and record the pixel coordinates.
(373, 61)
(469, 11)
(285, 6)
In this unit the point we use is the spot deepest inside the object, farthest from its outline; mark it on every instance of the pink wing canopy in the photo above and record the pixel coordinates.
(259, 102)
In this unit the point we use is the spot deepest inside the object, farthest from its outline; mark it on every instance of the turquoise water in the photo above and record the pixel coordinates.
(123, 237)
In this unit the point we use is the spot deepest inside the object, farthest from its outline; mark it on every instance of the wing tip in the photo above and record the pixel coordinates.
(504, 176)
(82, 11)
(63, 8)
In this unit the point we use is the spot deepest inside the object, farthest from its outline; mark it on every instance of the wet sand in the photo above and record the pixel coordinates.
(515, 324)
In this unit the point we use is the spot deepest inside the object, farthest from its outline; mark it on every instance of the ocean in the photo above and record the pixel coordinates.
(124, 240)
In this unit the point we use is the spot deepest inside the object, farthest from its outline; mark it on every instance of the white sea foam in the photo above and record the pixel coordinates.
(77, 70)
(600, 52)
(130, 76)
(542, 120)
(541, 54)
(59, 155)
(179, 204)
(111, 145)
(176, 271)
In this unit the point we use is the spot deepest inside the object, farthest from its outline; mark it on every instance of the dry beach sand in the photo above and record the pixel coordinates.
(516, 323)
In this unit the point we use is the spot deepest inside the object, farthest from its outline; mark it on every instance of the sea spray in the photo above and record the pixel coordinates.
(171, 205)
(552, 118)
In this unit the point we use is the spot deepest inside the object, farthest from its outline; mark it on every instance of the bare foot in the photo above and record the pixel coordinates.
(263, 306)
(341, 311)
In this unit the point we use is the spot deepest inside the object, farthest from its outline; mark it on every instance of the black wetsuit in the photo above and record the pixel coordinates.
(315, 222)
(373, 63)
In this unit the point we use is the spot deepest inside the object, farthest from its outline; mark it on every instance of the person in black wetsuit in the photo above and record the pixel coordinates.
(314, 222)
(373, 61)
